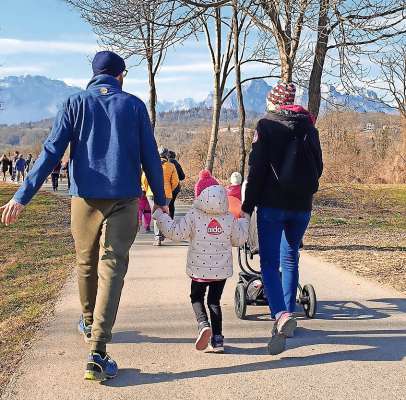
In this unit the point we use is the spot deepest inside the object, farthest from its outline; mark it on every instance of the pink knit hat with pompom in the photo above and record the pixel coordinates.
(205, 180)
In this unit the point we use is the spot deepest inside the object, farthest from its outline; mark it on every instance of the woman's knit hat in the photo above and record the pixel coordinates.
(205, 180)
(236, 178)
(281, 95)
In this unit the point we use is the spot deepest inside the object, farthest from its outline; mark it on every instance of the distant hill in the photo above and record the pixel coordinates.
(31, 98)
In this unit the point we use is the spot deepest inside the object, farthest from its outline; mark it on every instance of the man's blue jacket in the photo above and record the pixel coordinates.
(110, 137)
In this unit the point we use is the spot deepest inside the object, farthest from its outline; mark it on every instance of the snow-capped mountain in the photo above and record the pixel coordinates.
(255, 93)
(179, 105)
(31, 98)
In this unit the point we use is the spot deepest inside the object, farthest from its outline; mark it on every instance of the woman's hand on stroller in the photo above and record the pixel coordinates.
(245, 215)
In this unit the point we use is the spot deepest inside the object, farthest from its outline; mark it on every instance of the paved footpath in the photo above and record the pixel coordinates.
(355, 349)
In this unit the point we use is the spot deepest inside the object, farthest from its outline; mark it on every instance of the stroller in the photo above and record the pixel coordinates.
(250, 288)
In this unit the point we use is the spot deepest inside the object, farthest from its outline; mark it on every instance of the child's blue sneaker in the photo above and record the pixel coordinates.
(217, 344)
(85, 330)
(99, 369)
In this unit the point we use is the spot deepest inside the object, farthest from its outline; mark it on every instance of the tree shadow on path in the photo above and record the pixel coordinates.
(378, 345)
(375, 345)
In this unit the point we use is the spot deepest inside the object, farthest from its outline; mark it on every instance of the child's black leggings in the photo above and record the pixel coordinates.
(197, 293)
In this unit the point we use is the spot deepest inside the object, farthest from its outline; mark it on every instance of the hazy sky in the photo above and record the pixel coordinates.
(47, 37)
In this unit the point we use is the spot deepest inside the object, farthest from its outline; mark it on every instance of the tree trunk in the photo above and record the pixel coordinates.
(211, 153)
(238, 89)
(286, 67)
(217, 93)
(319, 59)
(152, 93)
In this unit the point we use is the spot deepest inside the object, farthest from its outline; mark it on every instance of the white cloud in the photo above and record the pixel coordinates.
(15, 46)
(21, 70)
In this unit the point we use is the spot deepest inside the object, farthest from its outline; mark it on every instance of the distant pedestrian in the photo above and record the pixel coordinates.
(234, 189)
(14, 162)
(55, 176)
(212, 231)
(171, 182)
(65, 167)
(113, 140)
(181, 176)
(285, 165)
(20, 168)
(5, 164)
(28, 163)
(10, 168)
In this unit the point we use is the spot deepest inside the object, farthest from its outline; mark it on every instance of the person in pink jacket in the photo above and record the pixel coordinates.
(212, 231)
(144, 213)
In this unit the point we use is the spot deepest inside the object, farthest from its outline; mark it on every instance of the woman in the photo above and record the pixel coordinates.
(285, 165)
(5, 164)
(171, 182)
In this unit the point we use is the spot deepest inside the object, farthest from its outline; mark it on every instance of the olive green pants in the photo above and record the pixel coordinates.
(104, 231)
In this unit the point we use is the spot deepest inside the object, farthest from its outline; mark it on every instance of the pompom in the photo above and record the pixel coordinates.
(205, 173)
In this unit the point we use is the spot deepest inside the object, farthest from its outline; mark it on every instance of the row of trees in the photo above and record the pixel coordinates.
(301, 41)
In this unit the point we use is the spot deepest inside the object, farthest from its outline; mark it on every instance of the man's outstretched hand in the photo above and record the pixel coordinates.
(165, 209)
(10, 212)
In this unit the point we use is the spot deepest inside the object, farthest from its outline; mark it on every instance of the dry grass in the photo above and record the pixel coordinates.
(36, 256)
(362, 229)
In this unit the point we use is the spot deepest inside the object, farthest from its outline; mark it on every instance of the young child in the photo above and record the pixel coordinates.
(144, 213)
(212, 231)
(235, 188)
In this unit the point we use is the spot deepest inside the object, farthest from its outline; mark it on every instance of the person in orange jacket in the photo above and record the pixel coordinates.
(171, 182)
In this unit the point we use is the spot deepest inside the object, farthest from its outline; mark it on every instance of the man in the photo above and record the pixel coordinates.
(20, 168)
(110, 137)
(181, 176)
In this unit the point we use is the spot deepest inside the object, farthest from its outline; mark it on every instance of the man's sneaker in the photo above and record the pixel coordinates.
(217, 344)
(99, 369)
(85, 330)
(285, 325)
(203, 337)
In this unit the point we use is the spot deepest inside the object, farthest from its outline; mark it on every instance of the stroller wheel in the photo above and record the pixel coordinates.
(310, 305)
(240, 301)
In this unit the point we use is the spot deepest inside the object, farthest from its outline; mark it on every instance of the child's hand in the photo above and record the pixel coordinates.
(164, 209)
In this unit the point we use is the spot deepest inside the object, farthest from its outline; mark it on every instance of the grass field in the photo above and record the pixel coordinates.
(36, 256)
(362, 229)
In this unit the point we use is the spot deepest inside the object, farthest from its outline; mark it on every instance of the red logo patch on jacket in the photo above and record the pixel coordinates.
(214, 228)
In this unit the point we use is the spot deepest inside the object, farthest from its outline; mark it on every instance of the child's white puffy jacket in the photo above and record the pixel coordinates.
(212, 231)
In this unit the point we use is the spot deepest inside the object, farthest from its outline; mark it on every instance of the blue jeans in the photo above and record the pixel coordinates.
(280, 233)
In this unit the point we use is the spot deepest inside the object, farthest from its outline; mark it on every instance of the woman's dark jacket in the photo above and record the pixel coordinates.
(272, 136)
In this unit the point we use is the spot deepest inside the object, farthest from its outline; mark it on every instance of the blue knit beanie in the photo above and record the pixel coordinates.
(107, 62)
